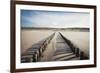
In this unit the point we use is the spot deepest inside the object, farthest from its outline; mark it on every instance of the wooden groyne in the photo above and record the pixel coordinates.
(35, 51)
(64, 50)
(74, 48)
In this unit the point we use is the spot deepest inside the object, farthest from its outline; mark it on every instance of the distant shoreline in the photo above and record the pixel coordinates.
(56, 29)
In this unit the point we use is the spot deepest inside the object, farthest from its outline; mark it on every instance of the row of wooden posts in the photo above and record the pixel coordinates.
(74, 49)
(34, 53)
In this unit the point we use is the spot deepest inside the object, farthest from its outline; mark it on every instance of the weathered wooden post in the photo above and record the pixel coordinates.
(81, 55)
(34, 58)
(73, 49)
(27, 58)
(77, 52)
(43, 47)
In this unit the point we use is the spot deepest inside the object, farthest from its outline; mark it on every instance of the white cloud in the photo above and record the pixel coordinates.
(60, 20)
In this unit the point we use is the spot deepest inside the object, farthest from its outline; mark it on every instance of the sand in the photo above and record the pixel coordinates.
(79, 38)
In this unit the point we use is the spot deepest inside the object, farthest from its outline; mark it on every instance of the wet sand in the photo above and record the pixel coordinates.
(79, 39)
(30, 37)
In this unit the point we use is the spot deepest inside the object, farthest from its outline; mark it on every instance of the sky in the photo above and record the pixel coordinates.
(54, 19)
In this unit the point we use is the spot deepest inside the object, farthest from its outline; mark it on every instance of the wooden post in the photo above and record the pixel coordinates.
(81, 55)
(77, 52)
(34, 58)
(26, 58)
(73, 49)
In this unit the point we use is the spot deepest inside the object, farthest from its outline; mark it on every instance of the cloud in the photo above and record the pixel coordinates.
(54, 19)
